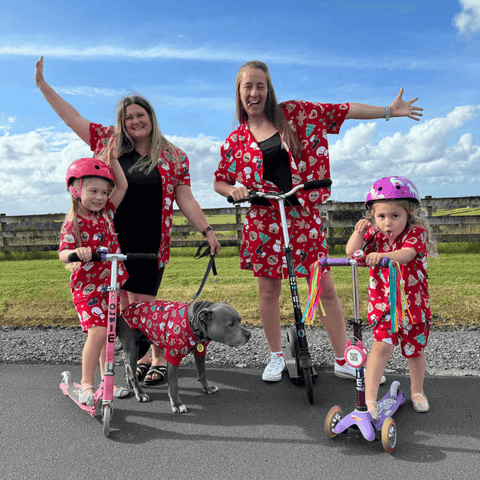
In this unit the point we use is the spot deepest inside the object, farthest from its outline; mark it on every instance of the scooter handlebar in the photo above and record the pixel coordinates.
(312, 185)
(345, 262)
(100, 257)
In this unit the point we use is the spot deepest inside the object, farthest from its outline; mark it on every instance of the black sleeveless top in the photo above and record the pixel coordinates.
(276, 168)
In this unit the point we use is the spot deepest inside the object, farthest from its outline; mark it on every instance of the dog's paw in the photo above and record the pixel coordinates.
(142, 397)
(211, 389)
(180, 408)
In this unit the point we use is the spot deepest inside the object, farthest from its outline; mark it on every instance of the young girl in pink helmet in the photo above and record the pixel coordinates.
(96, 191)
(392, 229)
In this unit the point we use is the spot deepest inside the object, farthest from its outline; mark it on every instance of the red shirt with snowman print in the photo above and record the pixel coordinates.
(90, 279)
(414, 274)
(166, 325)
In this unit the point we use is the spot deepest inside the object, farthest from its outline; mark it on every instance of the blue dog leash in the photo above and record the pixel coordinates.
(211, 266)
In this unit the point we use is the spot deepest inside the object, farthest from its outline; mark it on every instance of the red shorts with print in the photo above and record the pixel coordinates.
(262, 242)
(413, 337)
(93, 312)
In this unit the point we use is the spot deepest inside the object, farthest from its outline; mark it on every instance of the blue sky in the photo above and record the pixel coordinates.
(184, 56)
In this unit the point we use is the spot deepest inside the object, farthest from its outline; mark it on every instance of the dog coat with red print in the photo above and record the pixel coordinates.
(166, 325)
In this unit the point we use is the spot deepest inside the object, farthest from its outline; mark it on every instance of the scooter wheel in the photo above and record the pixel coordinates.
(389, 435)
(333, 417)
(107, 415)
(307, 378)
(394, 389)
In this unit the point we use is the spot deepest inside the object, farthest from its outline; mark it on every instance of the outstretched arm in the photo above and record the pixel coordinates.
(63, 109)
(398, 108)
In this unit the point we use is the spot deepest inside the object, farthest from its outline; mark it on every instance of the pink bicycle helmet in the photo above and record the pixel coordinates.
(87, 167)
(393, 188)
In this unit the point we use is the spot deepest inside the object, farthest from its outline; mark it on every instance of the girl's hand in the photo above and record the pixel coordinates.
(84, 253)
(401, 108)
(362, 226)
(39, 72)
(112, 151)
(374, 258)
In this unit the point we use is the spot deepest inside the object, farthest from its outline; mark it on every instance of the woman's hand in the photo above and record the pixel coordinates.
(238, 193)
(39, 72)
(213, 242)
(401, 108)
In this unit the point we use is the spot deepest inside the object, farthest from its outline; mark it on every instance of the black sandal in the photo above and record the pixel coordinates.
(160, 371)
(142, 370)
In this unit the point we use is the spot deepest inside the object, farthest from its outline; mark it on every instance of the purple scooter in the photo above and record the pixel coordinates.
(356, 356)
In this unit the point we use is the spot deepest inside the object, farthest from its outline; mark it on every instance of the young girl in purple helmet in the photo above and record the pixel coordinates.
(392, 229)
(96, 191)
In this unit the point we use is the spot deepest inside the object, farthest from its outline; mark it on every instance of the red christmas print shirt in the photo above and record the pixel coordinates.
(166, 325)
(242, 158)
(90, 279)
(172, 176)
(242, 161)
(414, 275)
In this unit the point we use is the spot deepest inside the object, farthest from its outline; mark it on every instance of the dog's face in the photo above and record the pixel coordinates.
(222, 323)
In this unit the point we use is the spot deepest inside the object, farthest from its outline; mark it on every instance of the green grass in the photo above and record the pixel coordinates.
(35, 288)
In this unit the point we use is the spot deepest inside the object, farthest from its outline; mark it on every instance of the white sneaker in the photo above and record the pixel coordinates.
(346, 371)
(273, 371)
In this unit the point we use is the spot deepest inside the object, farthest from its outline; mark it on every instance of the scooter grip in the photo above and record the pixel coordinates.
(384, 262)
(96, 257)
(334, 262)
(325, 182)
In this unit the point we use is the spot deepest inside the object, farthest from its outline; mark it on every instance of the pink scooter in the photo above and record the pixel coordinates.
(356, 356)
(105, 390)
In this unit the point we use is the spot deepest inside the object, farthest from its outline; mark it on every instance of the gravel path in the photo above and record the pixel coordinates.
(452, 352)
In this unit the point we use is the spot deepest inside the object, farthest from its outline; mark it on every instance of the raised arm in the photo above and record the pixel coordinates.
(80, 125)
(398, 108)
(121, 183)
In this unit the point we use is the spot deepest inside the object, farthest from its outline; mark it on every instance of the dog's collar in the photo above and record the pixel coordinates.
(198, 333)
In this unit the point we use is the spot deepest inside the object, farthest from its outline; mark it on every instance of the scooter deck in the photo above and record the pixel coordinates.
(73, 391)
(387, 406)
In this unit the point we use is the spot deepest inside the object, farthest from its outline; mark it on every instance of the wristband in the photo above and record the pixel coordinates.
(387, 113)
(204, 233)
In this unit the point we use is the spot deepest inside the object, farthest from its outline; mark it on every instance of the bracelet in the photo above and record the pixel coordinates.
(204, 233)
(387, 113)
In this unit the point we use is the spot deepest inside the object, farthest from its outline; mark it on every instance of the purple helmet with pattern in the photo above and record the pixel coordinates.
(393, 188)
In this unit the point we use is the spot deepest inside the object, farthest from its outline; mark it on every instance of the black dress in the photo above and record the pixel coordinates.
(138, 223)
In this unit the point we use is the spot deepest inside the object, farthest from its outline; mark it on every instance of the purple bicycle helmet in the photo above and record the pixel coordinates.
(393, 188)
(87, 167)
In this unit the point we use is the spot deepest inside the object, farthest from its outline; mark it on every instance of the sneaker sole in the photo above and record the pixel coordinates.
(271, 379)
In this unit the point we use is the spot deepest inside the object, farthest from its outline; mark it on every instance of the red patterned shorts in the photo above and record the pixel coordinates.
(413, 338)
(93, 312)
(261, 248)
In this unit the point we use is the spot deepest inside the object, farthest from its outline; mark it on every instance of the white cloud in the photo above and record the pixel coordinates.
(33, 165)
(468, 20)
(422, 154)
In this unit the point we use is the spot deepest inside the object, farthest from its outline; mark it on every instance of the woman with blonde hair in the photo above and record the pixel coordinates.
(157, 173)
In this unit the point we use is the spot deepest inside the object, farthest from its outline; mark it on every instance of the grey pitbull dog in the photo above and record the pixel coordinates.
(207, 321)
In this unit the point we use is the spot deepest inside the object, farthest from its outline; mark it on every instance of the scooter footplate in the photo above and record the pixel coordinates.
(73, 391)
(388, 406)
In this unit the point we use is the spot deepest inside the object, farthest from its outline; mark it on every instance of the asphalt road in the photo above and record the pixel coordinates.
(250, 430)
